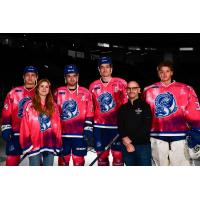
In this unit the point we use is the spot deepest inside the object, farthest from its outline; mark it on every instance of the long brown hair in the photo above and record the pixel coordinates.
(49, 102)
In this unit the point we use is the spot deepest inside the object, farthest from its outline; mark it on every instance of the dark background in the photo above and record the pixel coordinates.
(135, 56)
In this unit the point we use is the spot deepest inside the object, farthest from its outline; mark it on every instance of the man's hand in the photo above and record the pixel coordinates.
(130, 148)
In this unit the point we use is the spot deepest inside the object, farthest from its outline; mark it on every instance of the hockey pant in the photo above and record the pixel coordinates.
(103, 136)
(77, 147)
(174, 153)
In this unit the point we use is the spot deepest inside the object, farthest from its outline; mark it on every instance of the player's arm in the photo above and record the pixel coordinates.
(58, 132)
(192, 110)
(24, 138)
(124, 93)
(6, 127)
(88, 125)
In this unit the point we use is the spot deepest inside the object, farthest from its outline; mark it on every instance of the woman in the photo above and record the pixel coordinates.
(40, 131)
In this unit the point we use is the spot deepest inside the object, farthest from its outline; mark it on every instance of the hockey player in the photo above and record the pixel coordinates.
(12, 114)
(40, 131)
(76, 113)
(174, 106)
(109, 94)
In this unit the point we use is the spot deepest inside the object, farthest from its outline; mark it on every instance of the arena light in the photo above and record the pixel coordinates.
(150, 49)
(134, 48)
(99, 44)
(118, 46)
(186, 49)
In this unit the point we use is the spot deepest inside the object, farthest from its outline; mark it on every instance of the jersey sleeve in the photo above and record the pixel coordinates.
(89, 114)
(25, 139)
(58, 131)
(192, 110)
(124, 93)
(6, 120)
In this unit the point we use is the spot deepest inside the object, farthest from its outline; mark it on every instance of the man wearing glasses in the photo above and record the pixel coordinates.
(134, 123)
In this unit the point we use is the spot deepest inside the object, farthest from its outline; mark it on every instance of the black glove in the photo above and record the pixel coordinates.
(7, 133)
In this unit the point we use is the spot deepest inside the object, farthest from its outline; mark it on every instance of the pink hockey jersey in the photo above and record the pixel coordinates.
(13, 108)
(174, 107)
(76, 111)
(38, 132)
(107, 98)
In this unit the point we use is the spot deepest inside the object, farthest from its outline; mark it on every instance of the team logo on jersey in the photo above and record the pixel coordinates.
(69, 110)
(21, 106)
(45, 122)
(106, 102)
(165, 105)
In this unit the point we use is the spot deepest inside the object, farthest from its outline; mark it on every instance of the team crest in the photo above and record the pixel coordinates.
(165, 105)
(45, 122)
(69, 110)
(106, 102)
(21, 106)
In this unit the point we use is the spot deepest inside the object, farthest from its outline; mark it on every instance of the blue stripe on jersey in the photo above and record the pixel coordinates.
(105, 126)
(49, 149)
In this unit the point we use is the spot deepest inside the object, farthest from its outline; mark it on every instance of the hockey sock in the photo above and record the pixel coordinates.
(78, 160)
(61, 161)
(117, 158)
(12, 160)
(103, 160)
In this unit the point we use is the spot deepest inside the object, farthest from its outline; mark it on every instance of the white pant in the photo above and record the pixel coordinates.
(196, 162)
(162, 154)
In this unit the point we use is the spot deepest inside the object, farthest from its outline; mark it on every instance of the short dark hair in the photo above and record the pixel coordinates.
(167, 64)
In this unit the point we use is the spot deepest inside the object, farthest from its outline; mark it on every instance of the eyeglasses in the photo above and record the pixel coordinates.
(131, 88)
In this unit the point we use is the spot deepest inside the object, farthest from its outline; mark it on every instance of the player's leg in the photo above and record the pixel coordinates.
(13, 151)
(103, 159)
(160, 152)
(66, 152)
(116, 148)
(79, 151)
(12, 160)
(100, 141)
(179, 155)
